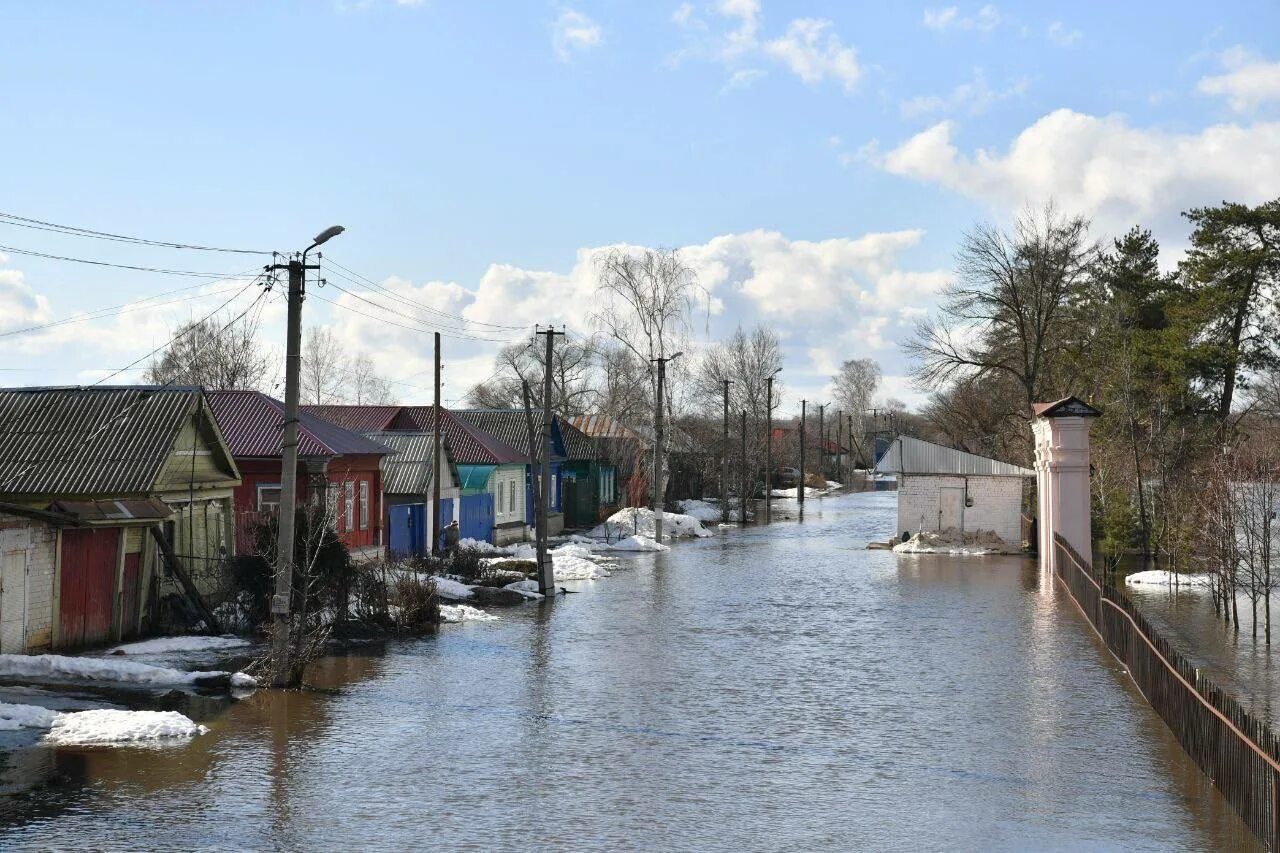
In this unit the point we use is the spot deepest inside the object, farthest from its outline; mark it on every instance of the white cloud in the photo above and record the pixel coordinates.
(1102, 166)
(949, 18)
(973, 97)
(1247, 82)
(809, 47)
(1063, 36)
(814, 53)
(573, 32)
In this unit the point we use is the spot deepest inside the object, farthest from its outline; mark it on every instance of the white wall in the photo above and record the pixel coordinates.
(31, 545)
(997, 504)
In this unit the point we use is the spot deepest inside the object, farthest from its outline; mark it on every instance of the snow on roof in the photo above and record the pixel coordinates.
(908, 455)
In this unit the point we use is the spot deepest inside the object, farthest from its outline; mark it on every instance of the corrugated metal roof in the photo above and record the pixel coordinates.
(509, 426)
(410, 469)
(602, 426)
(252, 424)
(908, 455)
(468, 444)
(577, 444)
(105, 440)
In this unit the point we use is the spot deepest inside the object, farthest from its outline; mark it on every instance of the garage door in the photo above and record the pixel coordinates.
(88, 586)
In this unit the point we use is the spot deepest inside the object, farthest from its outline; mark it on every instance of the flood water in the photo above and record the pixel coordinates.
(773, 689)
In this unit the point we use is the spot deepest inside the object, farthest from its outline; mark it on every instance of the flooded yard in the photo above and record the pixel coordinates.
(774, 688)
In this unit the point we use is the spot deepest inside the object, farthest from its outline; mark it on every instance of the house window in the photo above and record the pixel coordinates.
(502, 494)
(349, 511)
(555, 491)
(268, 497)
(364, 504)
(511, 496)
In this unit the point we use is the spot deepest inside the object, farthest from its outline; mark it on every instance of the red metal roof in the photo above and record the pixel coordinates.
(357, 418)
(252, 423)
(471, 446)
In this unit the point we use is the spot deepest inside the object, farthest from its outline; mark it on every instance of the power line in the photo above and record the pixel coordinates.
(73, 231)
(421, 327)
(194, 274)
(399, 298)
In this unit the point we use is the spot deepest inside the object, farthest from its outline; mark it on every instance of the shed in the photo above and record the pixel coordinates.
(92, 468)
(940, 488)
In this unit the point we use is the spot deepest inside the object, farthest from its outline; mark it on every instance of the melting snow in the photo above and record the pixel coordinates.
(451, 590)
(161, 645)
(1159, 577)
(527, 588)
(640, 521)
(464, 613)
(101, 726)
(100, 669)
(481, 546)
(639, 543)
(952, 541)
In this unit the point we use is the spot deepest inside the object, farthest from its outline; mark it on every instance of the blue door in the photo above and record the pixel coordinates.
(408, 530)
(475, 518)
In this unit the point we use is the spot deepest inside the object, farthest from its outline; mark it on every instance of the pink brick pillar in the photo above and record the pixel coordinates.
(1061, 431)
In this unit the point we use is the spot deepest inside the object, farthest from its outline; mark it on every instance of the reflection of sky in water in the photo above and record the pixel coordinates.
(777, 688)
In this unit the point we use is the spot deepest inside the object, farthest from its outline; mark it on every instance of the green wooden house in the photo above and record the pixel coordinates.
(590, 478)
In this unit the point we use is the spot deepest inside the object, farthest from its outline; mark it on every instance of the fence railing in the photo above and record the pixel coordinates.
(1236, 750)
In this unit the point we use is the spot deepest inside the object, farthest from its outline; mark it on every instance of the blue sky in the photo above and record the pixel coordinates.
(816, 160)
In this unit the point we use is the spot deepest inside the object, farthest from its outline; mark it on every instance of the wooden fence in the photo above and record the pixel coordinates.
(1238, 752)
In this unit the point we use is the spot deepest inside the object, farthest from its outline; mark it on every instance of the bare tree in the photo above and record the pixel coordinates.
(854, 386)
(323, 367)
(329, 376)
(1010, 310)
(212, 354)
(572, 385)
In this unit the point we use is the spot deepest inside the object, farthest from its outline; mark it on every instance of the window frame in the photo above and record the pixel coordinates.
(272, 507)
(364, 504)
(349, 505)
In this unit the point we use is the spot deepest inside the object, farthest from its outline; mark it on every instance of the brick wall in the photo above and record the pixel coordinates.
(997, 504)
(34, 542)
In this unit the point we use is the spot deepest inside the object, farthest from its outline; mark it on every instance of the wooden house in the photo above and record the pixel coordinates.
(511, 427)
(336, 465)
(85, 474)
(486, 465)
(590, 478)
(408, 480)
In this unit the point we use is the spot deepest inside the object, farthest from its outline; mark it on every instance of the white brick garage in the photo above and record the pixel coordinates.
(939, 487)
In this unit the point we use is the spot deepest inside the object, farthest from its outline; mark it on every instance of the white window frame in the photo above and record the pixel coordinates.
(364, 504)
(270, 506)
(511, 496)
(502, 495)
(349, 508)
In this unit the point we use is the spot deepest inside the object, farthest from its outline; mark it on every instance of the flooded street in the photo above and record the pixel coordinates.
(776, 688)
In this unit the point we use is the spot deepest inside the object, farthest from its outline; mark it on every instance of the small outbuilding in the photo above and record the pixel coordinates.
(941, 488)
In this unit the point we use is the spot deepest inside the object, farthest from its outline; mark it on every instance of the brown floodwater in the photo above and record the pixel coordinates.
(772, 689)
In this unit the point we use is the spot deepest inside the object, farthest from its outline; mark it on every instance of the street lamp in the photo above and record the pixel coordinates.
(281, 601)
(768, 444)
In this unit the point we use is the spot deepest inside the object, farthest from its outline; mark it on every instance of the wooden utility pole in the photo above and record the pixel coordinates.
(768, 448)
(839, 445)
(724, 459)
(282, 624)
(800, 488)
(546, 573)
(659, 417)
(742, 471)
(435, 461)
(822, 448)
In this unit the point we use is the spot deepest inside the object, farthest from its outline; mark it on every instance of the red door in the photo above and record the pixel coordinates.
(88, 585)
(129, 593)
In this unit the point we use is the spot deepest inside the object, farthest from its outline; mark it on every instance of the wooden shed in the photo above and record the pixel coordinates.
(92, 470)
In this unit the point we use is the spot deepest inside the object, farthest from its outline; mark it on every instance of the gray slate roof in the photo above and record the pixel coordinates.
(909, 455)
(89, 440)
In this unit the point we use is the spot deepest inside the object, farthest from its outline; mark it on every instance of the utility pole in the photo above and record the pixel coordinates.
(822, 449)
(659, 492)
(800, 490)
(853, 442)
(435, 462)
(546, 573)
(281, 672)
(839, 445)
(768, 448)
(742, 470)
(724, 459)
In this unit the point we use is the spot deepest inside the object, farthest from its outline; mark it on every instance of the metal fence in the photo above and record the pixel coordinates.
(1237, 751)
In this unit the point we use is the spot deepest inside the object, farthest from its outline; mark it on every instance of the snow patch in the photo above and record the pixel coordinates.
(1159, 577)
(87, 728)
(451, 590)
(481, 546)
(13, 717)
(102, 669)
(639, 543)
(527, 588)
(640, 521)
(953, 541)
(464, 613)
(161, 645)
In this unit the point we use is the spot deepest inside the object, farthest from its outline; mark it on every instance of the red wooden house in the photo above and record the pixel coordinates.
(344, 463)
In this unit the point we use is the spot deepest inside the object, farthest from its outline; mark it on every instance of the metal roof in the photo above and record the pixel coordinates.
(252, 423)
(410, 469)
(577, 444)
(98, 440)
(468, 444)
(908, 455)
(511, 426)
